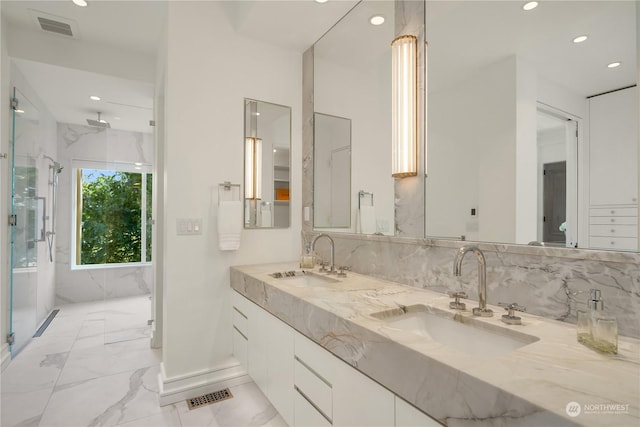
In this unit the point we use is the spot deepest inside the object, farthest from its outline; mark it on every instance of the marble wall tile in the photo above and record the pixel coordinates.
(550, 282)
(77, 142)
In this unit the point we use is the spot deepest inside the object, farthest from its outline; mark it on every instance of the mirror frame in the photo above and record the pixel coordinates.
(251, 204)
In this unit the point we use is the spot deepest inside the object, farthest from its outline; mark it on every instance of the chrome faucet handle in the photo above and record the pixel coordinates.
(323, 267)
(342, 270)
(510, 318)
(456, 304)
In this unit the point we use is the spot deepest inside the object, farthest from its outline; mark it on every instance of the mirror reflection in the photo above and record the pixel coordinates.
(267, 164)
(352, 82)
(504, 163)
(332, 168)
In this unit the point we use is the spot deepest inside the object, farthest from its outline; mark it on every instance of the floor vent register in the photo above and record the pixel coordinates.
(209, 398)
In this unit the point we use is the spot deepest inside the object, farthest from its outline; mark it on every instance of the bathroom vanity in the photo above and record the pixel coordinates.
(358, 350)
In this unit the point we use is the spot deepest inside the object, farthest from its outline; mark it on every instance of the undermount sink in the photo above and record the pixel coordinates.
(466, 334)
(303, 278)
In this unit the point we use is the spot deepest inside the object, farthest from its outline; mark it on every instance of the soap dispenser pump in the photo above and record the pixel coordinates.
(595, 329)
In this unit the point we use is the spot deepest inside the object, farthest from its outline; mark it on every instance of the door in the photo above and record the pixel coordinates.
(24, 224)
(555, 202)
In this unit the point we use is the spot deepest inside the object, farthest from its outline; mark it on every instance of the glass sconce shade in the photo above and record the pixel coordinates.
(404, 106)
(253, 168)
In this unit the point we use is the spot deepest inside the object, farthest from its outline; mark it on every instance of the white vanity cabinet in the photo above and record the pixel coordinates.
(613, 170)
(267, 348)
(308, 385)
(408, 415)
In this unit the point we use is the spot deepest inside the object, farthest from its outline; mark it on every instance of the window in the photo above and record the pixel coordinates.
(113, 213)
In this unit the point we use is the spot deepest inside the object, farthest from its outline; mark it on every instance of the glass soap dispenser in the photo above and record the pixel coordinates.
(595, 329)
(307, 260)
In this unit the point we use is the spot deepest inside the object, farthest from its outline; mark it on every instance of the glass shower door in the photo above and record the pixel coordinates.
(25, 229)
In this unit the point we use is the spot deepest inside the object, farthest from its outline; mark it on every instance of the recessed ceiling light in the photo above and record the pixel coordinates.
(274, 150)
(138, 164)
(81, 3)
(614, 64)
(580, 39)
(19, 111)
(321, 1)
(376, 20)
(530, 5)
(94, 98)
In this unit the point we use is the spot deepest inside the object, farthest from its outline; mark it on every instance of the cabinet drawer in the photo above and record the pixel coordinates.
(613, 211)
(615, 220)
(239, 320)
(305, 415)
(316, 389)
(240, 348)
(613, 230)
(314, 356)
(618, 243)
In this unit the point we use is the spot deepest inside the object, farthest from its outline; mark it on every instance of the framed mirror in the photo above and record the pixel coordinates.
(267, 139)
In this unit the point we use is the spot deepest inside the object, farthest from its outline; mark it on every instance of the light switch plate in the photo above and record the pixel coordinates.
(189, 226)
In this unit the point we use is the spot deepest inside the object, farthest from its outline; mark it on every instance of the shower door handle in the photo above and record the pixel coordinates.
(13, 220)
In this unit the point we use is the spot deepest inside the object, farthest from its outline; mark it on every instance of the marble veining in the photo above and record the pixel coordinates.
(549, 282)
(529, 386)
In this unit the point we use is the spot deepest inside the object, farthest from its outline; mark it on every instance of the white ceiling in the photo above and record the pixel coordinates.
(462, 35)
(136, 27)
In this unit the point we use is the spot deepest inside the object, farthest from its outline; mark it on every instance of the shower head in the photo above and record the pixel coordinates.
(98, 123)
(58, 167)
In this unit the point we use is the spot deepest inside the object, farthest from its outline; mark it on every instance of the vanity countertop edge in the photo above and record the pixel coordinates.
(535, 384)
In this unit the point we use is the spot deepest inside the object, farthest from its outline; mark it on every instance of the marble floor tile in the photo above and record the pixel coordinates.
(31, 372)
(104, 401)
(167, 418)
(107, 359)
(72, 377)
(23, 409)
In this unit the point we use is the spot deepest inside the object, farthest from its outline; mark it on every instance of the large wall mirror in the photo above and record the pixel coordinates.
(352, 86)
(531, 136)
(267, 165)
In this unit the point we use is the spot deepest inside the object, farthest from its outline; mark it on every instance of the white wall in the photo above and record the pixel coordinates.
(76, 142)
(360, 95)
(210, 70)
(471, 162)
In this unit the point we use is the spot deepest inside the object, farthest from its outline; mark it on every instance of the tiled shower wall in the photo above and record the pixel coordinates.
(77, 142)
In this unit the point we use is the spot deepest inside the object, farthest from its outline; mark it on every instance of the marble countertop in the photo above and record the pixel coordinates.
(550, 381)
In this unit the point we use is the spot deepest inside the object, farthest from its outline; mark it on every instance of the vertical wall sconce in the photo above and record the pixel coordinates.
(253, 168)
(404, 52)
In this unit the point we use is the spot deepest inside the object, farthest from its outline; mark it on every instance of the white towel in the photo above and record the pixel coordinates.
(229, 224)
(367, 219)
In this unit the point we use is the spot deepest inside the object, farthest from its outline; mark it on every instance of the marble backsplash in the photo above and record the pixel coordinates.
(549, 282)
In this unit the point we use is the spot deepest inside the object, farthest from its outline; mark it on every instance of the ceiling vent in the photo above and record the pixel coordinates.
(54, 24)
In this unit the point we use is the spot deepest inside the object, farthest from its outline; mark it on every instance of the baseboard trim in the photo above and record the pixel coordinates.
(176, 389)
(5, 356)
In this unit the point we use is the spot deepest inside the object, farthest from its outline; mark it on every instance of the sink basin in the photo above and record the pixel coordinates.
(302, 278)
(466, 334)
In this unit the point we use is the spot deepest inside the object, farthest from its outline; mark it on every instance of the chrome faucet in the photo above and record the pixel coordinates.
(331, 250)
(482, 310)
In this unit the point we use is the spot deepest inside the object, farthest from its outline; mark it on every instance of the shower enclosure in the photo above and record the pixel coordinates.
(27, 223)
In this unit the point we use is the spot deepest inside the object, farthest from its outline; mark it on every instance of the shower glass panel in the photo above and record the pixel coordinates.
(26, 213)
